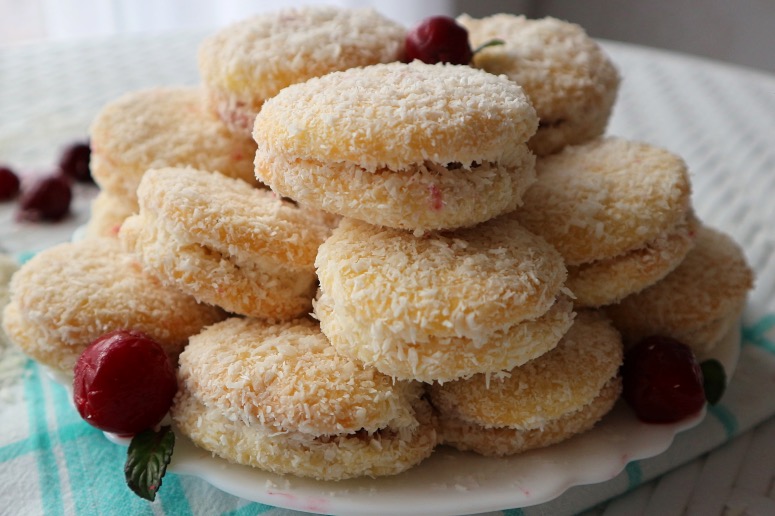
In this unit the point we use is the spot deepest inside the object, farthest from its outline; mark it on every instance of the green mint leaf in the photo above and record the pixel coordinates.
(488, 44)
(714, 380)
(147, 458)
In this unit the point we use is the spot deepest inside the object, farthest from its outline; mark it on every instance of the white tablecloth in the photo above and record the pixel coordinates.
(721, 119)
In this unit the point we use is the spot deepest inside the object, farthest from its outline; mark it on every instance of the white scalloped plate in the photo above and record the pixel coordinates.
(451, 482)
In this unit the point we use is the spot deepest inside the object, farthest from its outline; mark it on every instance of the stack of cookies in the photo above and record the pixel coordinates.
(429, 276)
(426, 254)
(155, 128)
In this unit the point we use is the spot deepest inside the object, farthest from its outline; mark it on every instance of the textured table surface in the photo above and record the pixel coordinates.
(719, 118)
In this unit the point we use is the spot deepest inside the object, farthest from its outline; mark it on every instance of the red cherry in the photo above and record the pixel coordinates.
(74, 162)
(438, 39)
(9, 184)
(48, 199)
(124, 382)
(662, 380)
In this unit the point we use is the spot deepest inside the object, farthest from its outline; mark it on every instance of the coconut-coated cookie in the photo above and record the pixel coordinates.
(546, 400)
(248, 62)
(604, 281)
(568, 77)
(108, 212)
(445, 358)
(226, 243)
(163, 127)
(618, 211)
(410, 146)
(502, 440)
(444, 305)
(696, 303)
(279, 397)
(70, 294)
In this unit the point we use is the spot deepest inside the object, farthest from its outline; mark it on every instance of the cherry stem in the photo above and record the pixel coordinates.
(487, 44)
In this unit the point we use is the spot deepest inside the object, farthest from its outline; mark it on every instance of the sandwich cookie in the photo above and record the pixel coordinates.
(618, 211)
(408, 146)
(72, 293)
(443, 306)
(552, 398)
(697, 303)
(279, 398)
(570, 80)
(162, 127)
(226, 243)
(248, 62)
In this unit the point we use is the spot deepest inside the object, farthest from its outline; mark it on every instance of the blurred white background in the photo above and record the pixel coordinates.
(22, 20)
(740, 31)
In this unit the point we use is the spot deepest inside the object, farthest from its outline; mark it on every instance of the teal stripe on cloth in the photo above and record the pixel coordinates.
(25, 256)
(74, 431)
(48, 471)
(104, 476)
(251, 509)
(95, 466)
(756, 334)
(70, 427)
(514, 512)
(173, 497)
(726, 418)
(15, 450)
(634, 474)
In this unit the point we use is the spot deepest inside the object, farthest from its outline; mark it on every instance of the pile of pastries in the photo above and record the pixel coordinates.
(354, 259)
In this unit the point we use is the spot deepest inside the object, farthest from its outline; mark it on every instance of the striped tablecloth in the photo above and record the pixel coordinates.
(721, 119)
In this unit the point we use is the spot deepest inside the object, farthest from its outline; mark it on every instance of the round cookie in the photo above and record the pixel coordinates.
(248, 62)
(696, 303)
(226, 243)
(603, 282)
(108, 212)
(550, 398)
(279, 397)
(441, 306)
(162, 127)
(409, 146)
(445, 358)
(567, 76)
(70, 294)
(618, 211)
(501, 440)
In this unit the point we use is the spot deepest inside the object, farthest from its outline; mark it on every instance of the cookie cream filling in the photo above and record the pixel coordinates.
(504, 440)
(272, 273)
(444, 359)
(604, 282)
(295, 280)
(398, 430)
(424, 196)
(301, 455)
